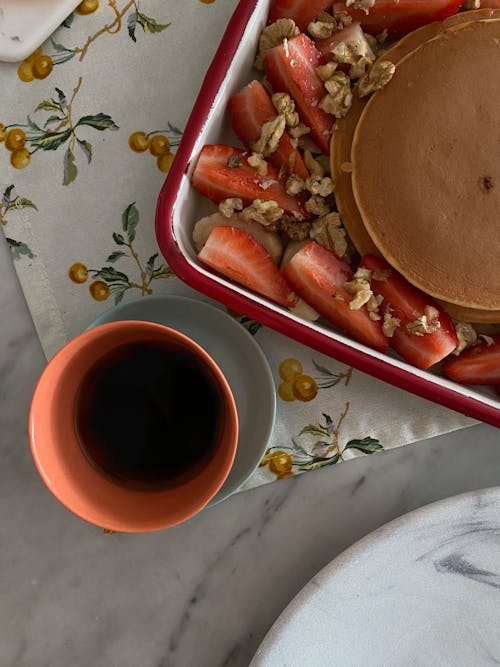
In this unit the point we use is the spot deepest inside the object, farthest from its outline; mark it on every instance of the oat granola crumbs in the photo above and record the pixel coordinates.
(318, 185)
(365, 5)
(314, 167)
(294, 185)
(431, 313)
(285, 105)
(326, 17)
(360, 288)
(328, 232)
(265, 212)
(316, 205)
(363, 274)
(339, 98)
(348, 53)
(326, 71)
(272, 35)
(466, 335)
(390, 323)
(321, 29)
(379, 75)
(270, 135)
(359, 68)
(422, 326)
(343, 19)
(337, 83)
(228, 206)
(256, 160)
(299, 131)
(295, 230)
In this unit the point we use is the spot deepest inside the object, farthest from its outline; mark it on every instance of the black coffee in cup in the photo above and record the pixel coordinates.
(148, 415)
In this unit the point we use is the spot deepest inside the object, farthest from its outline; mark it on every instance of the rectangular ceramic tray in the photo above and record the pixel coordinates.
(180, 206)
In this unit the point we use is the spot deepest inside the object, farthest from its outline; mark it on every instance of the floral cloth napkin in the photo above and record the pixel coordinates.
(90, 124)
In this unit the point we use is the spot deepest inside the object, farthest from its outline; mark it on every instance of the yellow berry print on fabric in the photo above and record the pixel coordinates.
(39, 64)
(108, 280)
(61, 127)
(279, 463)
(300, 386)
(158, 143)
(87, 7)
(316, 446)
(10, 203)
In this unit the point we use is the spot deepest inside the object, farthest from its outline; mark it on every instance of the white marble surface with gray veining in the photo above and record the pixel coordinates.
(422, 590)
(204, 593)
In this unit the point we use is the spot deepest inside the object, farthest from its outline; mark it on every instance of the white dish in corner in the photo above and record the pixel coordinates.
(25, 24)
(422, 590)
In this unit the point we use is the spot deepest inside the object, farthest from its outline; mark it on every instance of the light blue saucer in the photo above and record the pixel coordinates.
(238, 356)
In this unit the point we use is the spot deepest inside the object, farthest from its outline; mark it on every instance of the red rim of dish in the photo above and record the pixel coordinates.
(380, 369)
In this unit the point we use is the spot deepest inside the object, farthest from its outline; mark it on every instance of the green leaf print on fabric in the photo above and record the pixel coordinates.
(59, 128)
(301, 456)
(10, 203)
(133, 273)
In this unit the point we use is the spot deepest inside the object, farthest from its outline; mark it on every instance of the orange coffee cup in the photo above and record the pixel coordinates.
(71, 476)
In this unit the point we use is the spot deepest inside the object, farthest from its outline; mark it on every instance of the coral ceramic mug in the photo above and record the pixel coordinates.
(125, 450)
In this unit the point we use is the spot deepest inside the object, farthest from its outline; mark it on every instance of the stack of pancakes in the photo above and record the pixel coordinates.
(417, 165)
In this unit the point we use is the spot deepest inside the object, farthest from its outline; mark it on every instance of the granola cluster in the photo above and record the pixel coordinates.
(273, 35)
(378, 76)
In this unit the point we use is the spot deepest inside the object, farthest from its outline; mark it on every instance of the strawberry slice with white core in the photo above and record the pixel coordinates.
(351, 34)
(423, 334)
(291, 68)
(318, 276)
(222, 172)
(479, 364)
(238, 256)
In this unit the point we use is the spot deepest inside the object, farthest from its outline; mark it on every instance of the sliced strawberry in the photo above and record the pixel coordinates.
(479, 364)
(301, 11)
(399, 18)
(223, 171)
(407, 304)
(249, 109)
(350, 34)
(318, 276)
(291, 68)
(238, 256)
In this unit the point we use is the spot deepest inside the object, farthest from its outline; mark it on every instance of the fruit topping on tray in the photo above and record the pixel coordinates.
(332, 130)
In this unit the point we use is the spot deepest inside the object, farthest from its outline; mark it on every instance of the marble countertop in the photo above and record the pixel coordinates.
(204, 593)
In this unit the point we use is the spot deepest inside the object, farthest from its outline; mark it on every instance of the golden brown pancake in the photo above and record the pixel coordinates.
(345, 127)
(341, 153)
(426, 166)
